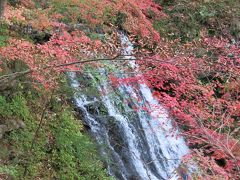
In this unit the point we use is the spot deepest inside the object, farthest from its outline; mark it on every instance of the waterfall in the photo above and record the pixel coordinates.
(136, 143)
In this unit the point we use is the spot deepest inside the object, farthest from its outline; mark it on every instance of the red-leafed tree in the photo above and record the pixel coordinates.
(198, 82)
(202, 95)
(46, 61)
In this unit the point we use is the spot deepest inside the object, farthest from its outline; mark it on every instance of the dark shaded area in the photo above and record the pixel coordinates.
(27, 31)
(167, 87)
(221, 162)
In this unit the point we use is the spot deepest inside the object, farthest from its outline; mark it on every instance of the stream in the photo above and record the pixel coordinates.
(134, 132)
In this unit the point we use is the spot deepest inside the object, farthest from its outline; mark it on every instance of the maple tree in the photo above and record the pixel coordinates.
(198, 83)
(202, 95)
(45, 61)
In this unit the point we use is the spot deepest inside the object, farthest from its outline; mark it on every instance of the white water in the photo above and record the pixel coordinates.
(140, 144)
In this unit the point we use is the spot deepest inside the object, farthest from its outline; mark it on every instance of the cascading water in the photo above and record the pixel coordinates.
(138, 144)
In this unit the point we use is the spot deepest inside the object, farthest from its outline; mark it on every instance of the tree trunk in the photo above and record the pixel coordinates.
(2, 2)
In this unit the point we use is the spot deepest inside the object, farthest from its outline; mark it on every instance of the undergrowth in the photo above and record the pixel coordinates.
(189, 20)
(60, 149)
(3, 34)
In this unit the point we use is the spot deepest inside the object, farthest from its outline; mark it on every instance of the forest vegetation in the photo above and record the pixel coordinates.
(188, 51)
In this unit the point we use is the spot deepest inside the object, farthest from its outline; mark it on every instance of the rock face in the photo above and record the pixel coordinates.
(3, 129)
(10, 125)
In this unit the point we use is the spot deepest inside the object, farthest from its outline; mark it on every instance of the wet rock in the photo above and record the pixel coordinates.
(14, 124)
(10, 125)
(7, 84)
(3, 129)
(79, 26)
(134, 177)
(99, 30)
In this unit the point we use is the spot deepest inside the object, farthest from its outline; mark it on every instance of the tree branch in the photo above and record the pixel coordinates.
(16, 75)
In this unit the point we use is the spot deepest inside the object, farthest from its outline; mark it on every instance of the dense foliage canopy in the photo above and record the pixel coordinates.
(188, 52)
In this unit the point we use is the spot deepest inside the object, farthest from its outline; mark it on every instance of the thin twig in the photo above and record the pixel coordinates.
(21, 73)
(38, 128)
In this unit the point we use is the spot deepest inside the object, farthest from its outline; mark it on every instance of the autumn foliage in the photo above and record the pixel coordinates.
(199, 81)
(202, 94)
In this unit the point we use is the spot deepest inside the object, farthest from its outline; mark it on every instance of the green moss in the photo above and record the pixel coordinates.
(74, 151)
(187, 18)
(3, 34)
(16, 107)
(94, 36)
(60, 149)
(119, 19)
(70, 11)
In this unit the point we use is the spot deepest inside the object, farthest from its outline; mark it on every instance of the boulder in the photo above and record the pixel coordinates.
(10, 125)
(3, 129)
